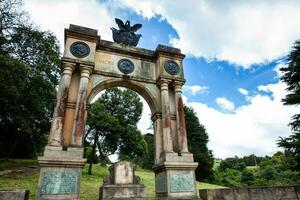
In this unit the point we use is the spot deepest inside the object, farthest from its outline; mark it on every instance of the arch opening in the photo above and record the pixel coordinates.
(132, 85)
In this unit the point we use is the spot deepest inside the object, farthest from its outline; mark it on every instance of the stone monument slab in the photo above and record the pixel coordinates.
(121, 183)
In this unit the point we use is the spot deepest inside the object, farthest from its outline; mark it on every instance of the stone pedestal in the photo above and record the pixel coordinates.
(175, 178)
(121, 183)
(60, 173)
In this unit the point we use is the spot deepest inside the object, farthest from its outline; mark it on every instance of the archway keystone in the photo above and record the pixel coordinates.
(90, 65)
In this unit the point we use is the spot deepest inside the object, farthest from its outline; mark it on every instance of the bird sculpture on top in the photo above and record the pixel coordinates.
(126, 33)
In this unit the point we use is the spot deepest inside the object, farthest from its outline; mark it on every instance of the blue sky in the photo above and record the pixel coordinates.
(233, 52)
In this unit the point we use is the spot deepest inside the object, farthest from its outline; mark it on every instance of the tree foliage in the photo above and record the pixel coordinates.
(112, 126)
(29, 61)
(291, 76)
(267, 171)
(197, 143)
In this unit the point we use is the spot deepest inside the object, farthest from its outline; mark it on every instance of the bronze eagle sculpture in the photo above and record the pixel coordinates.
(126, 33)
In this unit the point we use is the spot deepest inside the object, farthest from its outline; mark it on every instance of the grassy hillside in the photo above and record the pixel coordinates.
(27, 178)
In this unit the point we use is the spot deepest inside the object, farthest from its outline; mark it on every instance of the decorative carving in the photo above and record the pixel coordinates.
(126, 66)
(171, 67)
(80, 49)
(125, 35)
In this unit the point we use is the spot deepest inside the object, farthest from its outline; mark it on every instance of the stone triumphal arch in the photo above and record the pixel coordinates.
(89, 65)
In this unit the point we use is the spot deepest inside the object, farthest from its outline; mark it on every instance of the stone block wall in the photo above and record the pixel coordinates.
(255, 193)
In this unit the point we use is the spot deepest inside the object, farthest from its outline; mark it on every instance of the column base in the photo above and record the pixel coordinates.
(175, 178)
(60, 173)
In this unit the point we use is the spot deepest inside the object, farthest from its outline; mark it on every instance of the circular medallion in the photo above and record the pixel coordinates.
(126, 66)
(80, 49)
(171, 67)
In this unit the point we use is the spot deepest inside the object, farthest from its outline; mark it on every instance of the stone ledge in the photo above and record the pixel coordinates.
(252, 193)
(58, 153)
(15, 194)
(122, 191)
(175, 166)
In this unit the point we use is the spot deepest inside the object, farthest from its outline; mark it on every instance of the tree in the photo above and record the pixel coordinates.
(232, 163)
(291, 76)
(112, 126)
(197, 143)
(103, 129)
(12, 16)
(28, 76)
(147, 161)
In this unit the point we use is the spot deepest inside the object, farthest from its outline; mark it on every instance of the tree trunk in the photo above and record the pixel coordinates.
(103, 157)
(93, 154)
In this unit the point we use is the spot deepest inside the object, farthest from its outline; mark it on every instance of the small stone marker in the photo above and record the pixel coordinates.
(123, 173)
(14, 194)
(121, 183)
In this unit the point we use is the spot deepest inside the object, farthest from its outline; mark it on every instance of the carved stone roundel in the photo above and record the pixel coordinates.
(171, 67)
(80, 49)
(126, 66)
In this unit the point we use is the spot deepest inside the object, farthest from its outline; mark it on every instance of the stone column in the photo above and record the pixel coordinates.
(156, 119)
(166, 119)
(56, 131)
(181, 128)
(80, 112)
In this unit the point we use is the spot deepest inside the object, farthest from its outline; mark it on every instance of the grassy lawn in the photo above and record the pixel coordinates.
(89, 185)
(11, 163)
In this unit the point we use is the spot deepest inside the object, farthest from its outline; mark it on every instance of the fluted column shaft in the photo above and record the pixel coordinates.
(80, 112)
(181, 127)
(166, 119)
(56, 131)
(156, 119)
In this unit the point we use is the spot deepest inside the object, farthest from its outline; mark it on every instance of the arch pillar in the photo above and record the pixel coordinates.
(166, 118)
(55, 136)
(180, 119)
(80, 111)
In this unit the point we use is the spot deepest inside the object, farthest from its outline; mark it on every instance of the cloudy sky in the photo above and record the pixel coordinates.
(234, 50)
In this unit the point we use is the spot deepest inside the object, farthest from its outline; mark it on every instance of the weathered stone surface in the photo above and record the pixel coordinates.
(258, 193)
(14, 194)
(121, 183)
(117, 192)
(83, 30)
(123, 173)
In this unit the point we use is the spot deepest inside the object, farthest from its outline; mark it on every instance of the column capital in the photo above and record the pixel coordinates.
(178, 86)
(163, 81)
(86, 68)
(68, 66)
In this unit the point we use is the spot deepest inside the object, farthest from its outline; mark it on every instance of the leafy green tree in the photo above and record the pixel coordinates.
(291, 76)
(12, 16)
(247, 177)
(147, 161)
(103, 130)
(232, 163)
(197, 143)
(112, 126)
(28, 77)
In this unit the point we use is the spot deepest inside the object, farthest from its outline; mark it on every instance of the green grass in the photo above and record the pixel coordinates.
(11, 163)
(89, 183)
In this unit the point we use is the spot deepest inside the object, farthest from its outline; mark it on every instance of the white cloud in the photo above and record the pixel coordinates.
(145, 122)
(241, 32)
(225, 104)
(195, 89)
(243, 91)
(252, 128)
(56, 15)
